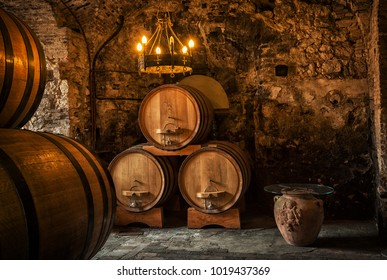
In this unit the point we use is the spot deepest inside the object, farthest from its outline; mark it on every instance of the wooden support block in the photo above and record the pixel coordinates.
(227, 219)
(153, 218)
(183, 152)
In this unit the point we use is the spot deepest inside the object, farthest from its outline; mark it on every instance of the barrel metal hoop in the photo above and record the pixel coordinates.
(9, 65)
(27, 201)
(42, 78)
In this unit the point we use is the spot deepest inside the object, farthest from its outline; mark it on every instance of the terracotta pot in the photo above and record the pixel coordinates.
(299, 216)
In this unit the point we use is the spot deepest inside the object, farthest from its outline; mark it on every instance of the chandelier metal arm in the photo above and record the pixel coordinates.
(155, 39)
(177, 38)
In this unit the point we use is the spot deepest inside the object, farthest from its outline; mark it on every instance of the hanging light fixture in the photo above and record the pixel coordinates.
(164, 53)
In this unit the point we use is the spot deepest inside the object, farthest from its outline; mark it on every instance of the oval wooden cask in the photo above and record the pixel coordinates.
(214, 178)
(22, 71)
(142, 180)
(57, 200)
(211, 88)
(173, 116)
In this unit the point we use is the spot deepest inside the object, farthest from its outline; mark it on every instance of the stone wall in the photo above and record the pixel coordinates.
(295, 73)
(312, 104)
(53, 112)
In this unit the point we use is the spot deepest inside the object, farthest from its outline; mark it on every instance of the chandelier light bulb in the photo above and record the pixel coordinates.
(158, 50)
(185, 50)
(144, 40)
(139, 47)
(191, 43)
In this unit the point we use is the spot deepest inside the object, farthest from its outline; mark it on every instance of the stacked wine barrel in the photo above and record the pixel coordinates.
(22, 72)
(142, 180)
(211, 179)
(215, 177)
(173, 116)
(57, 200)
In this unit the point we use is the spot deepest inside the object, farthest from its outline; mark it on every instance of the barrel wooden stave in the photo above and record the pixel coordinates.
(206, 114)
(243, 159)
(136, 169)
(22, 71)
(59, 196)
(182, 110)
(216, 167)
(13, 228)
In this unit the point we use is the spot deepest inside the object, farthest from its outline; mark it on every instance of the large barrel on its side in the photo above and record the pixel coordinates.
(172, 117)
(57, 201)
(215, 177)
(22, 71)
(142, 180)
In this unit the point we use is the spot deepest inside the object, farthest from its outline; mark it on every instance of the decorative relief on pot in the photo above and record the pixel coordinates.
(290, 215)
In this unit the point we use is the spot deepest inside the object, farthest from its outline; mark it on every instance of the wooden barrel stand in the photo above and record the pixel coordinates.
(227, 219)
(153, 218)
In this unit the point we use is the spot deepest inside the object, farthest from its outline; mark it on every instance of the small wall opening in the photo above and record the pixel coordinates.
(281, 70)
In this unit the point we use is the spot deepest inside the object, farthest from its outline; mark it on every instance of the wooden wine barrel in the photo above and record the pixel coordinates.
(57, 201)
(142, 180)
(22, 71)
(172, 117)
(214, 178)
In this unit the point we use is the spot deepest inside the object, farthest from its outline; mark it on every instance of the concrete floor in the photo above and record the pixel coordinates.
(259, 238)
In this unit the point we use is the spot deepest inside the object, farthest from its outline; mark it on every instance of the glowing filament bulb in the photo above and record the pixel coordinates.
(185, 50)
(191, 44)
(158, 50)
(139, 47)
(144, 40)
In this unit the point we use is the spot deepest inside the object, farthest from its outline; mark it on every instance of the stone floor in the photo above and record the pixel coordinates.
(259, 238)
